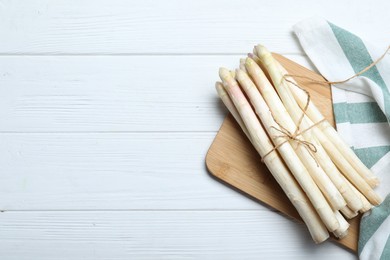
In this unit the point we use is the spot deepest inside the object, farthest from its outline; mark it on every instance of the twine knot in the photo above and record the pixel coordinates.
(310, 147)
(294, 136)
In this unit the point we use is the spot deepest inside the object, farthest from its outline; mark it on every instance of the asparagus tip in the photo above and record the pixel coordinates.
(373, 181)
(261, 50)
(249, 61)
(254, 51)
(218, 85)
(233, 73)
(224, 73)
(220, 89)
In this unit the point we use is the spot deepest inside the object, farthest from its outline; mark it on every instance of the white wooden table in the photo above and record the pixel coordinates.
(107, 109)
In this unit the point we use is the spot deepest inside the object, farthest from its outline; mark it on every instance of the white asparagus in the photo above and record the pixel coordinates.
(242, 64)
(233, 73)
(276, 106)
(330, 132)
(254, 57)
(366, 204)
(283, 90)
(288, 154)
(350, 173)
(321, 155)
(319, 200)
(353, 202)
(296, 112)
(230, 106)
(342, 231)
(348, 213)
(243, 111)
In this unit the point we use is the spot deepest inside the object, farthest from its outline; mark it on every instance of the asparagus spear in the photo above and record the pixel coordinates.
(284, 90)
(333, 136)
(302, 191)
(230, 106)
(241, 110)
(286, 151)
(324, 159)
(320, 177)
(366, 204)
(342, 231)
(242, 64)
(348, 213)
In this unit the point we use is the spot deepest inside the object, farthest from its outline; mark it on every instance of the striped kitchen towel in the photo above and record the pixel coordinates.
(362, 113)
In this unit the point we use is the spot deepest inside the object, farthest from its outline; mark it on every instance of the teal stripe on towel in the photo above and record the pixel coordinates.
(369, 225)
(359, 57)
(370, 156)
(340, 113)
(358, 113)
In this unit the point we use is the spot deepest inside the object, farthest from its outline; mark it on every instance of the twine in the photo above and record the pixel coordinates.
(294, 136)
(345, 80)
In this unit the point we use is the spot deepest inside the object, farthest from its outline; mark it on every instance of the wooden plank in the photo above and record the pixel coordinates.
(105, 94)
(174, 26)
(157, 235)
(110, 171)
(243, 169)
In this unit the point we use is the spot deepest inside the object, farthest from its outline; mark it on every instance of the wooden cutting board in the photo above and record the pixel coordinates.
(232, 159)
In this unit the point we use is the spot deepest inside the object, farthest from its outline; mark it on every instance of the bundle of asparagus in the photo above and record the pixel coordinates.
(323, 178)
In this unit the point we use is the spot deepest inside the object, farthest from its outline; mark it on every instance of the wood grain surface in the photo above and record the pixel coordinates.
(232, 159)
(107, 109)
(175, 26)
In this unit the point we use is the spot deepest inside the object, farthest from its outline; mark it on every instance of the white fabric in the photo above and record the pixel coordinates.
(325, 44)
